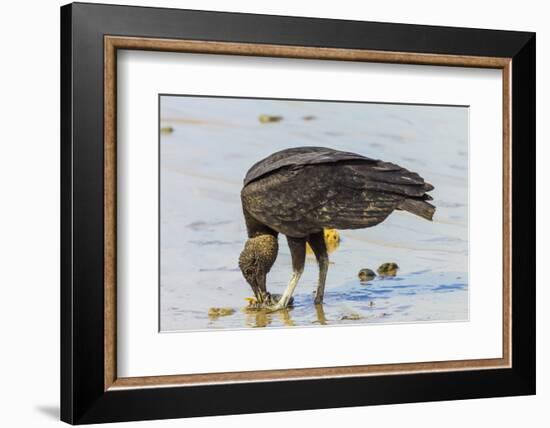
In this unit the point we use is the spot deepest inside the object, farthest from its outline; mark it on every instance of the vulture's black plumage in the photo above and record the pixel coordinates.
(300, 191)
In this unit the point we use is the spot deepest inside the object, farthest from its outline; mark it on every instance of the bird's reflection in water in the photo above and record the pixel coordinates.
(284, 315)
(320, 312)
(258, 318)
(263, 318)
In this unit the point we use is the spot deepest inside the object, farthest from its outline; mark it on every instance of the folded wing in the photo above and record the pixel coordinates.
(331, 190)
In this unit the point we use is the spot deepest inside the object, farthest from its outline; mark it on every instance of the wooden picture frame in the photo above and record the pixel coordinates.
(91, 390)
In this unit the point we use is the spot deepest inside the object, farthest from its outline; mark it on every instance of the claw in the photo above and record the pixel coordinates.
(269, 302)
(275, 308)
(275, 303)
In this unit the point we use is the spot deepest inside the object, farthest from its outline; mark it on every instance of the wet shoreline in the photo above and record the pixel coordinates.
(203, 161)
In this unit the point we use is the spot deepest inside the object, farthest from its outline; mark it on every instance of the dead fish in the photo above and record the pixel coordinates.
(366, 275)
(166, 129)
(253, 304)
(388, 269)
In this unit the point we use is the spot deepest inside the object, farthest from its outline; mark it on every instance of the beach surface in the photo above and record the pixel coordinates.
(209, 145)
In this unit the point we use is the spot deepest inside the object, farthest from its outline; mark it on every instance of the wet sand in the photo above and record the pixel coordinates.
(203, 161)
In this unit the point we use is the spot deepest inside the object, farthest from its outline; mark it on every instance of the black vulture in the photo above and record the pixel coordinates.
(300, 191)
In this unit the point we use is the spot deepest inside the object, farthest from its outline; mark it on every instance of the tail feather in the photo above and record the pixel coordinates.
(417, 206)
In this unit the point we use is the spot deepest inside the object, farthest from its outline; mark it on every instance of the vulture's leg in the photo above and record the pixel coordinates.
(298, 252)
(319, 247)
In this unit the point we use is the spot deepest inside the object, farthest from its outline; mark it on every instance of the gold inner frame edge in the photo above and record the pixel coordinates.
(113, 43)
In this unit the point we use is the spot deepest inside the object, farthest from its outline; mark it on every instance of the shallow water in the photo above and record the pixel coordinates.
(203, 161)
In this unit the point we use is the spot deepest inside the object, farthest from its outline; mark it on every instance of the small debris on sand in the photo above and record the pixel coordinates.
(366, 275)
(220, 312)
(266, 118)
(388, 269)
(351, 317)
(309, 117)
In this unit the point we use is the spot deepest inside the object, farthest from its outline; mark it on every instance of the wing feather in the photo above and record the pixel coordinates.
(299, 199)
(299, 156)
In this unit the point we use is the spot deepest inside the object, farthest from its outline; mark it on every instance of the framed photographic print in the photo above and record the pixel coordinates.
(265, 213)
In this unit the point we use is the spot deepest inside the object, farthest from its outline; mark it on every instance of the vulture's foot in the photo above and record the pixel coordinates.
(277, 303)
(269, 302)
